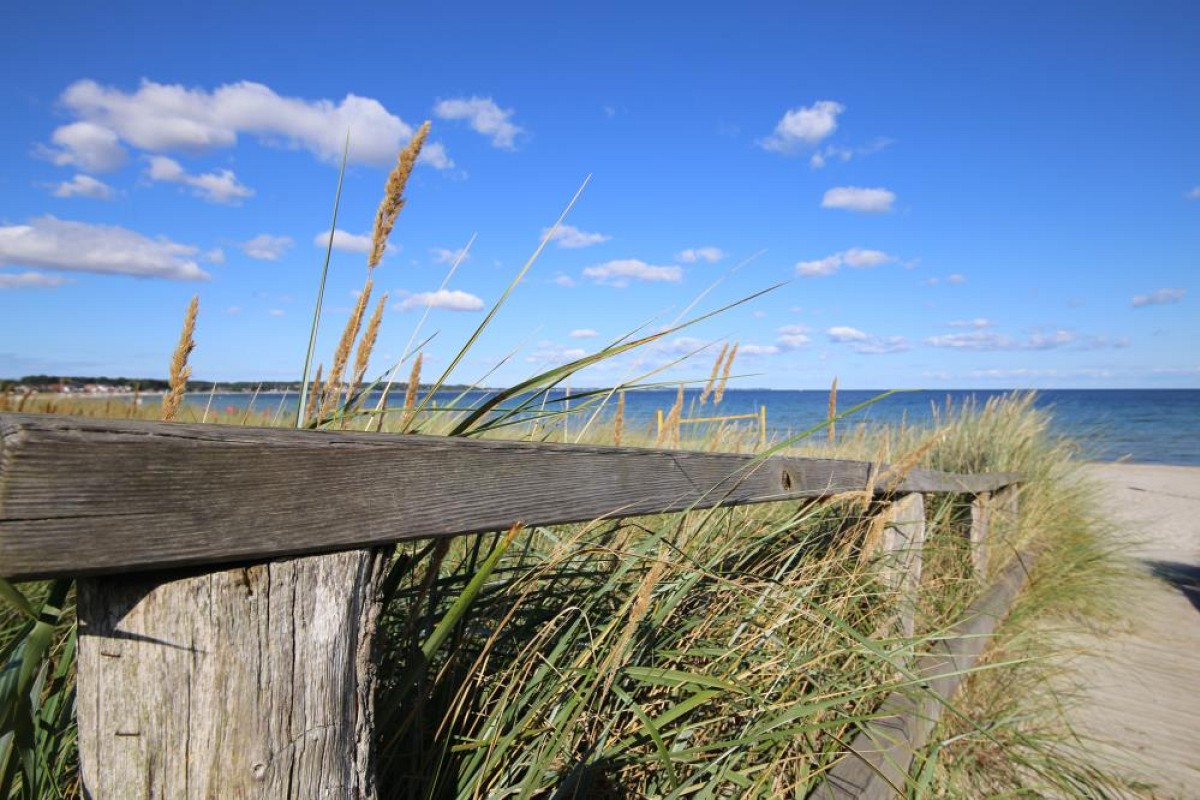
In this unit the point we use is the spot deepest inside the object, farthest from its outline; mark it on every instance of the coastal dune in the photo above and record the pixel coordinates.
(1142, 702)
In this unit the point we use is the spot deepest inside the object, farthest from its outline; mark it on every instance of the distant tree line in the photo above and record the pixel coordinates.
(49, 383)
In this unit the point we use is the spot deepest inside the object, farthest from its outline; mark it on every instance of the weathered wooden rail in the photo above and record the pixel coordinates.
(220, 657)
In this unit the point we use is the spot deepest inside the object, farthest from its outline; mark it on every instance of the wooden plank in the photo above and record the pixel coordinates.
(877, 764)
(902, 546)
(87, 496)
(250, 682)
(981, 532)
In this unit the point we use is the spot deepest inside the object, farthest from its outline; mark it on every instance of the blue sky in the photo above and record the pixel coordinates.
(955, 195)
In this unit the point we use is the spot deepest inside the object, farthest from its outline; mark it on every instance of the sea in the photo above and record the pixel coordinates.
(1153, 426)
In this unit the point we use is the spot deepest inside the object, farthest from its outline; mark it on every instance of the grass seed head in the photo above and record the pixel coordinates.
(180, 371)
(393, 195)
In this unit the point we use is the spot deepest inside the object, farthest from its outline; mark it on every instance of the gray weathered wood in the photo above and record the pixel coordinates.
(877, 764)
(250, 682)
(981, 531)
(86, 496)
(902, 544)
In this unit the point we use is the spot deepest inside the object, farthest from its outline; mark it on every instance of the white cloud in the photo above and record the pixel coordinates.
(349, 242)
(619, 273)
(266, 247)
(865, 343)
(981, 339)
(841, 333)
(978, 323)
(854, 257)
(854, 198)
(484, 116)
(758, 350)
(551, 353)
(1159, 297)
(215, 187)
(441, 255)
(30, 280)
(583, 333)
(565, 281)
(571, 237)
(84, 186)
(804, 127)
(51, 243)
(449, 299)
(792, 337)
(821, 157)
(956, 279)
(85, 145)
(165, 118)
(710, 254)
(214, 256)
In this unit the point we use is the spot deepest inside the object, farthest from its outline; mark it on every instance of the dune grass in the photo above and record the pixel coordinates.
(716, 653)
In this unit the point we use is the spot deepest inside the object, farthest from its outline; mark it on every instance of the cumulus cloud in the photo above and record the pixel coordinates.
(854, 257)
(803, 127)
(51, 243)
(865, 343)
(342, 240)
(84, 186)
(571, 237)
(792, 337)
(161, 118)
(583, 333)
(266, 247)
(619, 273)
(854, 198)
(758, 350)
(215, 187)
(449, 299)
(709, 253)
(1159, 297)
(484, 117)
(85, 145)
(30, 280)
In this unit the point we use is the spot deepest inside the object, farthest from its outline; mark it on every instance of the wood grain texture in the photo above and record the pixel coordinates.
(87, 497)
(903, 546)
(245, 683)
(877, 764)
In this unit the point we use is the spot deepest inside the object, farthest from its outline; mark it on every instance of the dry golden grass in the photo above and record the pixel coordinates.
(712, 378)
(719, 392)
(393, 195)
(366, 345)
(333, 385)
(180, 371)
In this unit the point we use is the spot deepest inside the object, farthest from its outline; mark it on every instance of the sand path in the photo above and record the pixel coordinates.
(1143, 708)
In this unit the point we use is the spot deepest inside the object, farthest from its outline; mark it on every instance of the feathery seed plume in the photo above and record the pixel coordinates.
(712, 378)
(410, 392)
(619, 423)
(180, 371)
(311, 407)
(333, 385)
(832, 408)
(393, 195)
(720, 391)
(366, 345)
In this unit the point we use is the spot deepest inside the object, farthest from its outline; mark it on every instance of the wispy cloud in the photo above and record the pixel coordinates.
(865, 343)
(572, 238)
(854, 257)
(839, 153)
(30, 280)
(215, 187)
(565, 281)
(803, 127)
(854, 198)
(552, 353)
(442, 255)
(163, 118)
(484, 116)
(1159, 298)
(84, 186)
(619, 273)
(349, 242)
(448, 299)
(953, 279)
(1194, 194)
(792, 337)
(51, 243)
(982, 339)
(583, 333)
(266, 247)
(978, 323)
(708, 253)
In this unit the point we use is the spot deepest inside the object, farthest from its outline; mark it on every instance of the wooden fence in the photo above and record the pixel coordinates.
(219, 657)
(760, 418)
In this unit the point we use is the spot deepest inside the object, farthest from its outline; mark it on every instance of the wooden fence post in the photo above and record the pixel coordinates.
(903, 540)
(980, 534)
(246, 682)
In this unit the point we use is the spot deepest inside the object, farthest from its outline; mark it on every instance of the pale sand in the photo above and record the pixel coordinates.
(1143, 707)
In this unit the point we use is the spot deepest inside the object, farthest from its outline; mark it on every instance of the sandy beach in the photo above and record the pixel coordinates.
(1143, 708)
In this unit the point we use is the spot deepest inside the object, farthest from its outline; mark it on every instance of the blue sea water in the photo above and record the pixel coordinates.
(1160, 426)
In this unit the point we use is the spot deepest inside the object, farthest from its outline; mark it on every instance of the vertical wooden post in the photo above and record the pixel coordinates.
(981, 529)
(902, 543)
(247, 682)
(762, 426)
